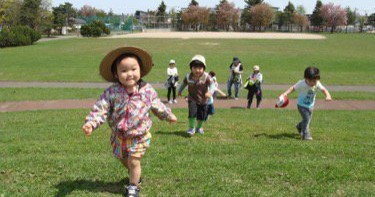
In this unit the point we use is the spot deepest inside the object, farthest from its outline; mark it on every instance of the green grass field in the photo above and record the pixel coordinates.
(24, 94)
(342, 58)
(255, 153)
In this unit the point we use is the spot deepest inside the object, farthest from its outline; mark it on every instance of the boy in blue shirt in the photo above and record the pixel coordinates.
(307, 89)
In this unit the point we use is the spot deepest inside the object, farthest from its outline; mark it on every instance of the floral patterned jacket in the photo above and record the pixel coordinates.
(127, 114)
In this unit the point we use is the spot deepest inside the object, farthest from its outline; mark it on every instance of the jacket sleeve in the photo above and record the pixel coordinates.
(99, 111)
(183, 85)
(157, 107)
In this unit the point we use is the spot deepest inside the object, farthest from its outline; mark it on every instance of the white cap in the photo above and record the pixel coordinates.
(172, 62)
(199, 58)
(256, 67)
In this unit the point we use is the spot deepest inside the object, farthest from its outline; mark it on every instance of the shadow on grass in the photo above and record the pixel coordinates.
(180, 133)
(67, 187)
(279, 136)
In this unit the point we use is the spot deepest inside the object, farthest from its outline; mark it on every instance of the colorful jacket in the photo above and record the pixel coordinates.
(127, 114)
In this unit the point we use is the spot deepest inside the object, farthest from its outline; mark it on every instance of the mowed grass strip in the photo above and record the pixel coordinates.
(242, 153)
(32, 94)
(342, 58)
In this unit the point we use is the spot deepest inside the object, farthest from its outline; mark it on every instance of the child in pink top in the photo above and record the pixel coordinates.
(126, 104)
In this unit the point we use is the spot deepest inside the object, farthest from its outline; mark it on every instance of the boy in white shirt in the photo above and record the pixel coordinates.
(307, 89)
(172, 81)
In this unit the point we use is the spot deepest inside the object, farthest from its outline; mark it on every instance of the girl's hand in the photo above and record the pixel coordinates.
(328, 98)
(87, 129)
(208, 95)
(172, 118)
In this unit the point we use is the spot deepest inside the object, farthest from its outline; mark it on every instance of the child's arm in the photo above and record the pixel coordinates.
(220, 92)
(160, 110)
(327, 94)
(98, 114)
(182, 87)
(288, 91)
(211, 89)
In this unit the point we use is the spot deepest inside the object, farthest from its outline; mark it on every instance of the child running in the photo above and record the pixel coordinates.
(200, 88)
(307, 89)
(126, 104)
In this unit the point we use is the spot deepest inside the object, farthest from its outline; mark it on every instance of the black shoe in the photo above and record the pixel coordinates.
(132, 191)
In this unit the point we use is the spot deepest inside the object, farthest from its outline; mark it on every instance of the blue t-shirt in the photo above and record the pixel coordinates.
(306, 93)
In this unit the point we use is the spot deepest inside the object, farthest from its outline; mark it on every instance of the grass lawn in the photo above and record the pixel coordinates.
(23, 94)
(342, 58)
(254, 153)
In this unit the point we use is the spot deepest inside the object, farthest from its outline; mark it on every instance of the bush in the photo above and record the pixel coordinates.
(95, 29)
(18, 36)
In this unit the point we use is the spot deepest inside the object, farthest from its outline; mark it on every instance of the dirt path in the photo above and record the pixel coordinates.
(11, 84)
(220, 103)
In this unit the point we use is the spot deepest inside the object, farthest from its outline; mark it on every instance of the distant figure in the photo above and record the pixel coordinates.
(252, 84)
(235, 78)
(172, 81)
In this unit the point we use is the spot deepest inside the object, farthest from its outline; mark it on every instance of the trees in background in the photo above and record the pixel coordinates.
(316, 17)
(62, 15)
(351, 16)
(227, 15)
(333, 15)
(161, 14)
(262, 16)
(195, 16)
(289, 12)
(245, 15)
(30, 13)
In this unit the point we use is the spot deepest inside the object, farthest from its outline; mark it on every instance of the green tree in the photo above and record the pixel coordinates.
(30, 13)
(10, 12)
(160, 14)
(351, 16)
(194, 3)
(301, 10)
(245, 15)
(371, 19)
(62, 14)
(289, 12)
(316, 17)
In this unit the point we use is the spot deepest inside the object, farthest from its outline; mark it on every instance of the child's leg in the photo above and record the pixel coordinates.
(174, 92)
(250, 96)
(259, 97)
(201, 115)
(229, 88)
(306, 118)
(236, 87)
(169, 93)
(134, 165)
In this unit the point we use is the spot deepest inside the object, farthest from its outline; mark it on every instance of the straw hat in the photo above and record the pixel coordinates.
(256, 68)
(106, 64)
(172, 62)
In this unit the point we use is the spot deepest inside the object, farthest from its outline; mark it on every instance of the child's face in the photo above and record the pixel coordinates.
(128, 72)
(311, 82)
(197, 71)
(171, 65)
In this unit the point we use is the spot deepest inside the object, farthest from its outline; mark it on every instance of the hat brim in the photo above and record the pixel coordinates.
(110, 58)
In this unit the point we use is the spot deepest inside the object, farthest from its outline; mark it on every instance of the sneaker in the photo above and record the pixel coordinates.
(236, 98)
(306, 136)
(191, 131)
(174, 101)
(170, 102)
(132, 191)
(200, 131)
(299, 130)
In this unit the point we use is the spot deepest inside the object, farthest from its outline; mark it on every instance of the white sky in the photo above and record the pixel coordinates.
(130, 6)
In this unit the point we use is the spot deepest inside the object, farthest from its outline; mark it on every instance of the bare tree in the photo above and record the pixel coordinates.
(227, 15)
(301, 20)
(195, 16)
(262, 15)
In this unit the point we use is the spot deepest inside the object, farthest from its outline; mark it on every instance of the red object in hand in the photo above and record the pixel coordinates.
(282, 102)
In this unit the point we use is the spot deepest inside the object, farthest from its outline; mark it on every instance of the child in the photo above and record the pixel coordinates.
(254, 81)
(172, 81)
(127, 104)
(200, 88)
(306, 98)
(210, 104)
(217, 90)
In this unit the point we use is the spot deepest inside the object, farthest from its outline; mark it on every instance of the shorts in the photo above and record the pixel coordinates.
(131, 147)
(197, 111)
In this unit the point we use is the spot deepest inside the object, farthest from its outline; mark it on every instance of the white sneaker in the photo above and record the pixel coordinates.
(200, 131)
(175, 101)
(236, 98)
(170, 102)
(190, 131)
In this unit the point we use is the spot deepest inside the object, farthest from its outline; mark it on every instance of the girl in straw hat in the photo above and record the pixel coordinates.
(126, 104)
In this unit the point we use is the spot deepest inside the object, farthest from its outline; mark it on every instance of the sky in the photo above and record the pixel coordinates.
(130, 6)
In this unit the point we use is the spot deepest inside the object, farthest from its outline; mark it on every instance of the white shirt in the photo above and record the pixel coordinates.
(172, 71)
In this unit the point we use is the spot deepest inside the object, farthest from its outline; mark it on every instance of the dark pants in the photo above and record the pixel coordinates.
(250, 95)
(210, 110)
(172, 88)
(198, 111)
(236, 88)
